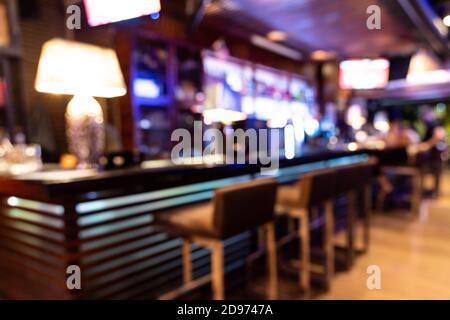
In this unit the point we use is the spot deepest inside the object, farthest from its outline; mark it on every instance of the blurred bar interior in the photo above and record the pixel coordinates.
(167, 149)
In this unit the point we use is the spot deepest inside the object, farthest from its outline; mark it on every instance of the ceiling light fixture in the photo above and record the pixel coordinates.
(323, 55)
(277, 36)
(275, 47)
(446, 20)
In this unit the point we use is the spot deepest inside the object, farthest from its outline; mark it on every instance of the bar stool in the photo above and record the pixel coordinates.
(365, 175)
(233, 210)
(350, 180)
(313, 189)
(403, 163)
(417, 186)
(346, 184)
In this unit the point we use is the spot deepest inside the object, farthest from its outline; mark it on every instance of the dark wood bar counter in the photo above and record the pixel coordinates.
(103, 222)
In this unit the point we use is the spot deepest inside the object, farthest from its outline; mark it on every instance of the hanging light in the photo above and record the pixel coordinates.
(425, 68)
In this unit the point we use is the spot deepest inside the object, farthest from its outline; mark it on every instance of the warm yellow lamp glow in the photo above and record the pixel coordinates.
(70, 67)
(81, 106)
(323, 55)
(425, 68)
(277, 36)
(85, 71)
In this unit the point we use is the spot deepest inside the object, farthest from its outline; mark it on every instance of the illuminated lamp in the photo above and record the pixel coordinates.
(425, 68)
(84, 71)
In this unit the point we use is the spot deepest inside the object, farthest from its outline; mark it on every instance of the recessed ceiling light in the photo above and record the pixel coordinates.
(447, 20)
(277, 35)
(322, 55)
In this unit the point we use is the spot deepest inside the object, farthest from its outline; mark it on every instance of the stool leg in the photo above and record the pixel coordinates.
(272, 261)
(218, 271)
(350, 228)
(368, 216)
(291, 225)
(261, 238)
(305, 254)
(329, 242)
(417, 194)
(381, 198)
(187, 262)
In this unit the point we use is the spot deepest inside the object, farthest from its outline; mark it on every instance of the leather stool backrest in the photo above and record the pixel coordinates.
(347, 178)
(317, 187)
(353, 177)
(366, 171)
(244, 206)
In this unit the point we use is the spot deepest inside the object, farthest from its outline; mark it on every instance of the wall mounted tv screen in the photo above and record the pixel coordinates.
(100, 12)
(360, 74)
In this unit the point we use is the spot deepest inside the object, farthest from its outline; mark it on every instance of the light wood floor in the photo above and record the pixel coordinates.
(413, 255)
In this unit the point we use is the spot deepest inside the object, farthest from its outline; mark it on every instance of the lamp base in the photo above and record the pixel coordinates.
(85, 130)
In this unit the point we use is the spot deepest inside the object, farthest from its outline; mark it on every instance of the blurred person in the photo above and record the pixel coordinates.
(432, 146)
(398, 140)
(398, 135)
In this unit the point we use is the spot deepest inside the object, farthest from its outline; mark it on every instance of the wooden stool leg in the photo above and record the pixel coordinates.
(272, 261)
(351, 228)
(187, 262)
(291, 225)
(381, 198)
(367, 216)
(305, 255)
(261, 238)
(417, 194)
(218, 271)
(329, 242)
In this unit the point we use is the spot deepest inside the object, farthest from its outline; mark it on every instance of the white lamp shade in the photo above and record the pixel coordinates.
(74, 68)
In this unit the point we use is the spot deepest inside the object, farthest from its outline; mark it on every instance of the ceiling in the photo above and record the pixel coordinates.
(331, 25)
(442, 7)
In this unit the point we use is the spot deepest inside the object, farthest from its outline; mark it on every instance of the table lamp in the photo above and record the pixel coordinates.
(84, 71)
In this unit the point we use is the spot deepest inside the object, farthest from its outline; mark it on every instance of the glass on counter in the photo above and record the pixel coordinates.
(19, 159)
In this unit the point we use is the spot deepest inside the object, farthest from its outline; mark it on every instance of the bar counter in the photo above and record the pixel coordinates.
(103, 222)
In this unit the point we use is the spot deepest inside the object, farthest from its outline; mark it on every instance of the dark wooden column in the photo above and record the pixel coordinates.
(320, 87)
(124, 49)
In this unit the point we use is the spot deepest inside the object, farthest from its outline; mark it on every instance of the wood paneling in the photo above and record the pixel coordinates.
(119, 250)
(4, 28)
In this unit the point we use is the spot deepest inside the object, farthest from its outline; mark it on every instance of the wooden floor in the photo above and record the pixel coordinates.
(413, 255)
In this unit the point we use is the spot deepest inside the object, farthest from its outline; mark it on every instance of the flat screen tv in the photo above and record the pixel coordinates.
(360, 74)
(101, 12)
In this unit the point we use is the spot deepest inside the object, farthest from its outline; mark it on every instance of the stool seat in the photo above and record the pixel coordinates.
(192, 220)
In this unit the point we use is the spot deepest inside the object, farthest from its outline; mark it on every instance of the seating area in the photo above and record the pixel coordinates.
(257, 205)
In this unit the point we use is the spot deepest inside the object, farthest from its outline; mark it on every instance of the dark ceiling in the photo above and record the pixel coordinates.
(332, 25)
(442, 7)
